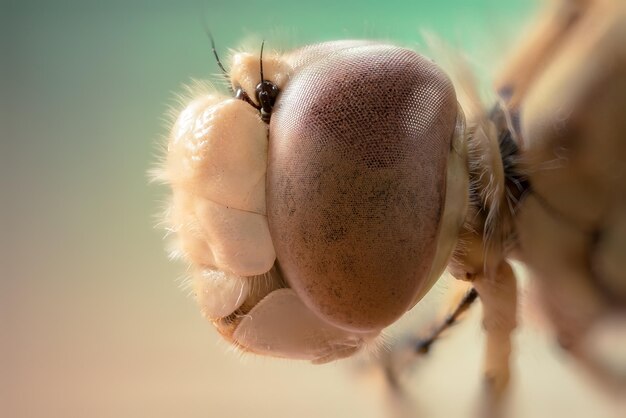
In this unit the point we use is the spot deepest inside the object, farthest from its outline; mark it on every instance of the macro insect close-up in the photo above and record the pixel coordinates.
(405, 209)
(326, 196)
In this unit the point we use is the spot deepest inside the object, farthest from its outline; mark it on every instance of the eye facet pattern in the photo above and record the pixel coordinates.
(359, 143)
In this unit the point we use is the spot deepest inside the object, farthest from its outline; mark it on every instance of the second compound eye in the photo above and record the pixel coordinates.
(266, 93)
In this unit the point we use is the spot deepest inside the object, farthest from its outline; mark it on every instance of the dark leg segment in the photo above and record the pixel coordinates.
(423, 346)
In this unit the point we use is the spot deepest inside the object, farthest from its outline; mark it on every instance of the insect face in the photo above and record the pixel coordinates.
(363, 181)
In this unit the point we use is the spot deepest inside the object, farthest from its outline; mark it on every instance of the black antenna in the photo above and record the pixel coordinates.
(266, 92)
(210, 35)
(217, 58)
(261, 60)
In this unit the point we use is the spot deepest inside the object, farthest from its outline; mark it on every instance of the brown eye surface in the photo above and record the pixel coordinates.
(359, 141)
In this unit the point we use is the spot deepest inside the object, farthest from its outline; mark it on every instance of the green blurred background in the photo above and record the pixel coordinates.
(94, 322)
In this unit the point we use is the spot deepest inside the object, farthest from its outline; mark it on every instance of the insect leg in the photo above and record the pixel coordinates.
(403, 355)
(423, 346)
(498, 293)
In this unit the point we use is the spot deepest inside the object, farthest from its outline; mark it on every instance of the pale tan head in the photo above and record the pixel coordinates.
(362, 173)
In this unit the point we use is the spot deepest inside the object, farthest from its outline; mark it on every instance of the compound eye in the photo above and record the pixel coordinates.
(356, 182)
(266, 93)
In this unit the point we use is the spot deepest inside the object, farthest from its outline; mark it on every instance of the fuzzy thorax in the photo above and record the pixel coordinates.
(488, 233)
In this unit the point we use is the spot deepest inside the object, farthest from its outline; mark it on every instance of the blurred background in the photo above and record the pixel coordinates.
(94, 320)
